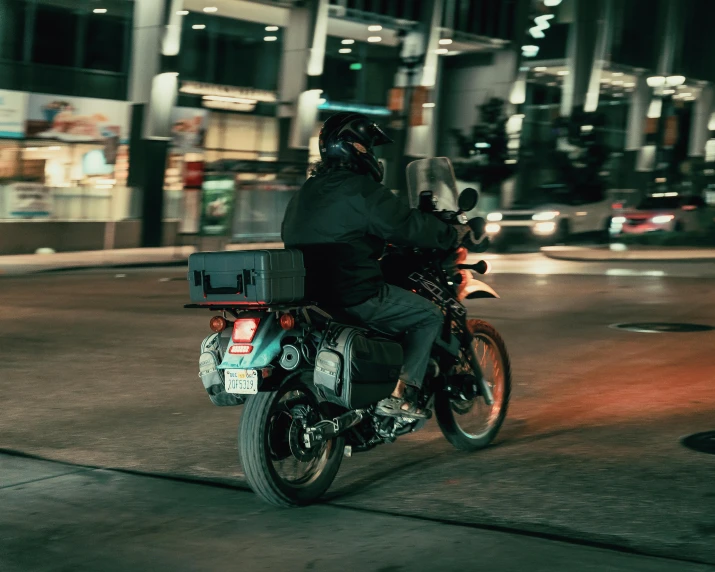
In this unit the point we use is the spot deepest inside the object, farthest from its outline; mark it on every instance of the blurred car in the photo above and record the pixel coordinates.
(551, 214)
(664, 212)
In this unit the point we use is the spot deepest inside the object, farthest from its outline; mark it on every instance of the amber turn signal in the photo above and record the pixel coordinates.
(287, 321)
(218, 324)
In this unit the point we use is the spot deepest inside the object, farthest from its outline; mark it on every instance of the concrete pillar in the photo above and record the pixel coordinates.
(699, 127)
(587, 53)
(420, 65)
(636, 156)
(299, 85)
(580, 55)
(422, 139)
(699, 135)
(157, 35)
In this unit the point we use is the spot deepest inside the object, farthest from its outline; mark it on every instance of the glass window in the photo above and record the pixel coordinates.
(105, 42)
(55, 36)
(12, 29)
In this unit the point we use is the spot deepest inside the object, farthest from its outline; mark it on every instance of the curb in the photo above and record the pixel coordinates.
(118, 266)
(584, 254)
(9, 271)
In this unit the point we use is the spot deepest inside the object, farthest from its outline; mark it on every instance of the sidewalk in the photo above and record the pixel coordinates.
(621, 253)
(14, 265)
(70, 517)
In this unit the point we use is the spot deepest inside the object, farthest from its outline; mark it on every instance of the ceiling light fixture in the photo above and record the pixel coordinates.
(445, 41)
(210, 9)
(374, 39)
(344, 50)
(428, 105)
(271, 28)
(182, 13)
(347, 42)
(270, 38)
(540, 68)
(442, 51)
(375, 28)
(100, 10)
(198, 26)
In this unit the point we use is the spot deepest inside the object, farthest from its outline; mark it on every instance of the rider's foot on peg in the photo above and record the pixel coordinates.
(398, 407)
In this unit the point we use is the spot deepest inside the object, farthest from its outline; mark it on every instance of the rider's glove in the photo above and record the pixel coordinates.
(465, 235)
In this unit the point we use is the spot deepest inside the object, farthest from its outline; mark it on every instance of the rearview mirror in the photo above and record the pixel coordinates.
(468, 199)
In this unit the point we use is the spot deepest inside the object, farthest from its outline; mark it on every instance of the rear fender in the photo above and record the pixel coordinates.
(478, 289)
(267, 346)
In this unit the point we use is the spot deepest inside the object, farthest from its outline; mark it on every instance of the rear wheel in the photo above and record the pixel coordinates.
(471, 424)
(278, 467)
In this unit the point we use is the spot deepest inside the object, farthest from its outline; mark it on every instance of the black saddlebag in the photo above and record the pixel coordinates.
(354, 370)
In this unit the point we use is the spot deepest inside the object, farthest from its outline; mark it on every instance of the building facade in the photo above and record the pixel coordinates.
(116, 114)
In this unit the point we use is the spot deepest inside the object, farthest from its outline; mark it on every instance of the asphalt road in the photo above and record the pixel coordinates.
(100, 368)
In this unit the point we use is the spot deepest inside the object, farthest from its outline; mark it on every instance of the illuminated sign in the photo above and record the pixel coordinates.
(357, 108)
(213, 90)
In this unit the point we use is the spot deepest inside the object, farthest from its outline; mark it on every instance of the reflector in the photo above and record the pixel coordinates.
(240, 349)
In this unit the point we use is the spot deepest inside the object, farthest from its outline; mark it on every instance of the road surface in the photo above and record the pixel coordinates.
(99, 368)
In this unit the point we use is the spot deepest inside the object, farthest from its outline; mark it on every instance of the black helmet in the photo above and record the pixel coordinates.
(349, 138)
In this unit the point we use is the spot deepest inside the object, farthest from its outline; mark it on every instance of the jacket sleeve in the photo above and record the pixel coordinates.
(392, 220)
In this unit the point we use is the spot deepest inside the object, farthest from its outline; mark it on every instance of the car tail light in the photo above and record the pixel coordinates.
(244, 329)
(287, 321)
(218, 324)
(240, 349)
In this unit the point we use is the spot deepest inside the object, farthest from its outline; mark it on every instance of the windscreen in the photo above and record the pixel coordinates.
(436, 175)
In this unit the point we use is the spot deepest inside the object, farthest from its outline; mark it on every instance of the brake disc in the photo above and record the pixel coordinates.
(297, 446)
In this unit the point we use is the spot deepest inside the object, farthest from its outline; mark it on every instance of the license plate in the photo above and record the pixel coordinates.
(241, 381)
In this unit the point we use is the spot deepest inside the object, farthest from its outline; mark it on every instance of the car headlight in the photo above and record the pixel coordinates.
(618, 220)
(662, 219)
(546, 215)
(492, 228)
(544, 228)
(494, 217)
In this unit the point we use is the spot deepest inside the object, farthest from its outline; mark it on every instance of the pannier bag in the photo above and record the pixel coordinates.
(354, 370)
(211, 376)
(247, 277)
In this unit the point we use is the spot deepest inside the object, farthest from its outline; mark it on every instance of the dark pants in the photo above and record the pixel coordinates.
(395, 311)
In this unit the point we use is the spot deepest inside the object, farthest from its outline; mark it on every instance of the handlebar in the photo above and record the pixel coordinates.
(481, 267)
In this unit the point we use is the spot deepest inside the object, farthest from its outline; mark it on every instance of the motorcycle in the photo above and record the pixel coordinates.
(311, 377)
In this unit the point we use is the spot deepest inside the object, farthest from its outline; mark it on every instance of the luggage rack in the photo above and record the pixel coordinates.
(233, 308)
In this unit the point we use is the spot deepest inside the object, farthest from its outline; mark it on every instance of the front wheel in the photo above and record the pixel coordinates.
(278, 467)
(471, 424)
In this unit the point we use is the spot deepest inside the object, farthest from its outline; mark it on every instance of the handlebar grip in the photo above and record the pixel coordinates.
(481, 267)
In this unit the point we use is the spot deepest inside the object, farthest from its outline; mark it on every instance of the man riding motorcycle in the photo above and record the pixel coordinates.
(341, 219)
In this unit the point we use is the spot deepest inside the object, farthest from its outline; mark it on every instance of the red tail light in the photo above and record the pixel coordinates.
(241, 349)
(244, 329)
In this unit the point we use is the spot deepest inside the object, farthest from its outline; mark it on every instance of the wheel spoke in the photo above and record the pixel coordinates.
(478, 419)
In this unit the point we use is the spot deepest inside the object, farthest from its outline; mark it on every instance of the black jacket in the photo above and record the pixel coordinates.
(342, 221)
